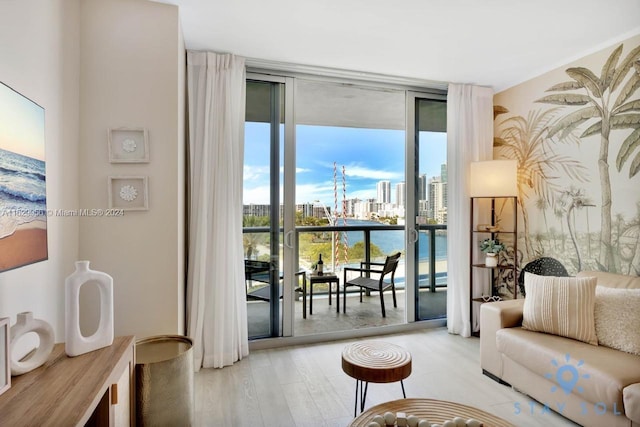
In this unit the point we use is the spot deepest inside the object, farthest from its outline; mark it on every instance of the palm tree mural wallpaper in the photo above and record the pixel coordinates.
(578, 154)
(539, 167)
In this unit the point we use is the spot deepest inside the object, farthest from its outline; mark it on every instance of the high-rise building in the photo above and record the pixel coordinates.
(437, 208)
(422, 187)
(256, 210)
(349, 207)
(443, 178)
(400, 194)
(363, 209)
(384, 191)
(321, 213)
(306, 209)
(445, 197)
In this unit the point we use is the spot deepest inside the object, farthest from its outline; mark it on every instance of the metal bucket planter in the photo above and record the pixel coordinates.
(164, 381)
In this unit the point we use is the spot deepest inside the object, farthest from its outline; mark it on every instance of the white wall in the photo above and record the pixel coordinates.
(131, 76)
(39, 57)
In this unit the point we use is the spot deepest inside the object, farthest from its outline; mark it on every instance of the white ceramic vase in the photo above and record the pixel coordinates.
(75, 343)
(491, 260)
(26, 324)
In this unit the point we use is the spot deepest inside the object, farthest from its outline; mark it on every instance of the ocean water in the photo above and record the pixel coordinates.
(393, 240)
(23, 197)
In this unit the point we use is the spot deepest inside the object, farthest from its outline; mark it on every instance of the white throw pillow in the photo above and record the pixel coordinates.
(617, 316)
(560, 306)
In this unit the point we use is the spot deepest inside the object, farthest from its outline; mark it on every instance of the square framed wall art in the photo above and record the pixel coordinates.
(128, 193)
(128, 145)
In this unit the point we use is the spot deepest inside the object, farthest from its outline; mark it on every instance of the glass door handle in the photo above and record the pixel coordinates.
(287, 239)
(414, 234)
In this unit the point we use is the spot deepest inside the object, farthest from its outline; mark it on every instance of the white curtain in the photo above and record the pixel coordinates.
(216, 298)
(469, 138)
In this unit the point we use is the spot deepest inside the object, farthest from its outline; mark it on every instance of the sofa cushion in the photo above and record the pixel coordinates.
(613, 280)
(609, 371)
(631, 397)
(560, 306)
(617, 318)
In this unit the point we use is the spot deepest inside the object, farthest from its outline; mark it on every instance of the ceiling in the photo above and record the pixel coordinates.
(496, 43)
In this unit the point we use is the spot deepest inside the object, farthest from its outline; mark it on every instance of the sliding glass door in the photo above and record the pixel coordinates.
(356, 174)
(262, 216)
(428, 243)
(350, 144)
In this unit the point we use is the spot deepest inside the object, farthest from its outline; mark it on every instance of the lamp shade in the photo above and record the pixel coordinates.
(493, 178)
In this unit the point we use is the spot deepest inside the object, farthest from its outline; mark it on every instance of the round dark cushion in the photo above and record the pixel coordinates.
(544, 266)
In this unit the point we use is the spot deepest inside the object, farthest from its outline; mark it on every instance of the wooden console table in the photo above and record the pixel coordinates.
(95, 388)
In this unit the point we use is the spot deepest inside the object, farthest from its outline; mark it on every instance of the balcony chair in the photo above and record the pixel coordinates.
(259, 271)
(388, 271)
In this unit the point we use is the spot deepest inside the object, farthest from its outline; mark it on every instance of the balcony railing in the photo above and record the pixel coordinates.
(331, 237)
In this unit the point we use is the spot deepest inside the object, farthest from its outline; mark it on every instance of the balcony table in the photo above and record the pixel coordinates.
(328, 278)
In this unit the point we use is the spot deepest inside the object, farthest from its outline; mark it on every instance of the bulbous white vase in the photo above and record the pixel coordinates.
(75, 343)
(24, 325)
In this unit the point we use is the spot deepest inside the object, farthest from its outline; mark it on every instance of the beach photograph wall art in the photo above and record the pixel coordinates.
(23, 200)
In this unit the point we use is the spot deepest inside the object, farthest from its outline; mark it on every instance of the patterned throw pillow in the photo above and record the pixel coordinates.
(560, 306)
(617, 317)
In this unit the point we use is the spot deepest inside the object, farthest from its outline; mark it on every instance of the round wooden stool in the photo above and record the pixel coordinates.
(375, 362)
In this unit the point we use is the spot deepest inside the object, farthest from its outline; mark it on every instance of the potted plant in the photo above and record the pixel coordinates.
(491, 247)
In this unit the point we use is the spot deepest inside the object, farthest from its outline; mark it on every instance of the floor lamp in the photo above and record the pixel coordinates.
(490, 180)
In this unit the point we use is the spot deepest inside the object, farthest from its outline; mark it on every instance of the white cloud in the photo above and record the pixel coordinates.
(307, 193)
(323, 191)
(298, 170)
(255, 173)
(260, 194)
(257, 195)
(357, 171)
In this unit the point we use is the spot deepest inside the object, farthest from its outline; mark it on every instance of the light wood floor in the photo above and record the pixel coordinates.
(305, 386)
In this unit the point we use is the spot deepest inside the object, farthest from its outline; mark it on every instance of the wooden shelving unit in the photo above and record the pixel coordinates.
(507, 233)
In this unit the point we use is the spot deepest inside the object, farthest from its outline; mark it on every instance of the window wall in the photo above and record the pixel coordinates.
(343, 162)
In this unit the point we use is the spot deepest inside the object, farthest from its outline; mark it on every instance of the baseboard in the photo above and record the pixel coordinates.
(495, 378)
(267, 343)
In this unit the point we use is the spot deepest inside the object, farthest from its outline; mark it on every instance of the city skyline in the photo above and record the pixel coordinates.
(368, 156)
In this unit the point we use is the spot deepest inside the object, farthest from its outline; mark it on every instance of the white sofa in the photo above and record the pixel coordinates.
(610, 396)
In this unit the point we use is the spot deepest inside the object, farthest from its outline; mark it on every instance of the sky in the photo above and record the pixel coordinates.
(21, 124)
(368, 155)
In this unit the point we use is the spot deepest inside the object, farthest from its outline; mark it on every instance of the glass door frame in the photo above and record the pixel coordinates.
(290, 237)
(412, 175)
(289, 260)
